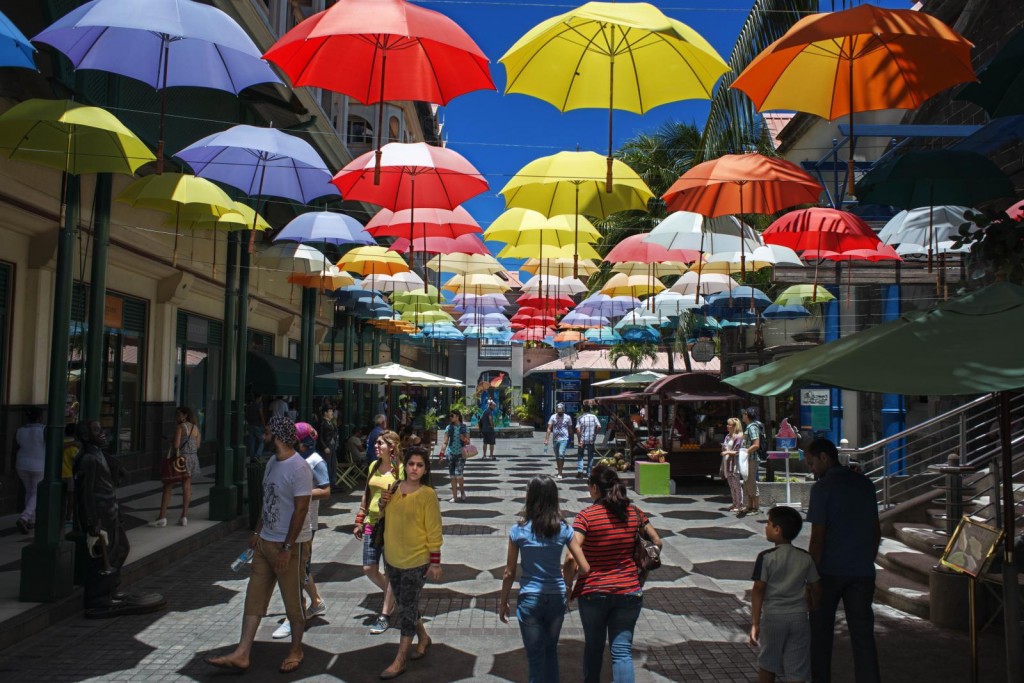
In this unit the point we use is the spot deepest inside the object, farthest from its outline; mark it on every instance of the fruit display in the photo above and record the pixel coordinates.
(618, 461)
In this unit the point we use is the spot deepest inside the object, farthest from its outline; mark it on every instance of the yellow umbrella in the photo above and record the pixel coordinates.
(566, 251)
(373, 260)
(518, 225)
(429, 316)
(181, 195)
(627, 56)
(327, 280)
(561, 267)
(621, 284)
(481, 283)
(403, 305)
(430, 295)
(466, 264)
(70, 137)
(240, 217)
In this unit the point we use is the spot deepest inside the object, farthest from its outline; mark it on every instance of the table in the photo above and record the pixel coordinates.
(787, 456)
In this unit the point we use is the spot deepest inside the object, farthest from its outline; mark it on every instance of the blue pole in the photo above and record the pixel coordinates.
(832, 334)
(894, 411)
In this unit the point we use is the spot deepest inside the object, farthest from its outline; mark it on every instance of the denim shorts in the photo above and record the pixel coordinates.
(456, 465)
(561, 446)
(371, 555)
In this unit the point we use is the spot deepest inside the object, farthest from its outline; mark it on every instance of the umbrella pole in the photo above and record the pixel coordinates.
(380, 116)
(700, 265)
(1011, 605)
(576, 245)
(743, 247)
(174, 252)
(164, 55)
(931, 224)
(255, 218)
(213, 270)
(611, 109)
(849, 164)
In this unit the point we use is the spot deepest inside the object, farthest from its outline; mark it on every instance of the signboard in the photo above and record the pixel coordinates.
(113, 312)
(703, 350)
(816, 409)
(567, 374)
(971, 548)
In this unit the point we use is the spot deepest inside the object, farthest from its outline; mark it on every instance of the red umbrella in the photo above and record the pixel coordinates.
(819, 228)
(533, 334)
(545, 303)
(742, 183)
(633, 248)
(882, 252)
(465, 244)
(532, 320)
(380, 50)
(429, 223)
(1016, 212)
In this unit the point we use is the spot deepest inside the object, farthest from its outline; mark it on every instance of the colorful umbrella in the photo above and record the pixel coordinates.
(898, 57)
(291, 257)
(924, 225)
(703, 283)
(327, 280)
(477, 283)
(171, 43)
(604, 336)
(650, 269)
(326, 227)
(465, 264)
(198, 217)
(15, 49)
(1000, 86)
(402, 282)
(391, 50)
(631, 285)
(578, 319)
(560, 267)
(625, 56)
(820, 228)
(610, 306)
(464, 244)
(562, 285)
(685, 230)
(802, 294)
(372, 260)
(785, 312)
(429, 223)
(673, 304)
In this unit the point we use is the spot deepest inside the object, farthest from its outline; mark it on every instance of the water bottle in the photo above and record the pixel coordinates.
(242, 560)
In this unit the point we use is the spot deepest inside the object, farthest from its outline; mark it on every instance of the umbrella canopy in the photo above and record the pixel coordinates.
(927, 176)
(402, 282)
(924, 225)
(465, 264)
(464, 244)
(372, 260)
(477, 283)
(15, 50)
(610, 306)
(785, 312)
(403, 294)
(526, 226)
(291, 257)
(1000, 87)
(393, 373)
(571, 251)
(707, 283)
(673, 304)
(640, 317)
(650, 269)
(326, 227)
(626, 56)
(742, 296)
(631, 285)
(560, 267)
(532, 334)
(562, 285)
(484, 319)
(691, 231)
(637, 380)
(636, 248)
(470, 301)
(412, 175)
(604, 336)
(580, 319)
(429, 223)
(568, 337)
(429, 316)
(261, 162)
(240, 217)
(327, 280)
(173, 193)
(820, 228)
(544, 303)
(802, 294)
(70, 137)
(960, 347)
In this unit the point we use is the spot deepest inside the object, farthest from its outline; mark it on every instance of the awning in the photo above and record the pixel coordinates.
(276, 376)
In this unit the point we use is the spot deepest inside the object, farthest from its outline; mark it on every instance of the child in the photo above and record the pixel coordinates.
(786, 586)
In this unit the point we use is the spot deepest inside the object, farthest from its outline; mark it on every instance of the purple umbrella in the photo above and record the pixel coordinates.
(480, 308)
(261, 162)
(608, 306)
(164, 43)
(325, 227)
(580, 319)
(484, 320)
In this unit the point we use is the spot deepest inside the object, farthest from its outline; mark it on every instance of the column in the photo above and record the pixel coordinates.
(93, 374)
(224, 495)
(242, 347)
(308, 342)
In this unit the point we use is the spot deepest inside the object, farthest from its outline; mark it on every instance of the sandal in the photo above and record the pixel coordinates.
(290, 665)
(420, 654)
(225, 663)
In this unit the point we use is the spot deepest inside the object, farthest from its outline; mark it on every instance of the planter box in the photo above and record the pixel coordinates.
(774, 493)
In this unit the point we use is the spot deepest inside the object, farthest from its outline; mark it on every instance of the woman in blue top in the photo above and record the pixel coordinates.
(541, 534)
(456, 435)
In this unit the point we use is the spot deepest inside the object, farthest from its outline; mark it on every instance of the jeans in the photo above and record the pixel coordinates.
(540, 621)
(561, 446)
(30, 480)
(585, 457)
(611, 617)
(856, 594)
(253, 442)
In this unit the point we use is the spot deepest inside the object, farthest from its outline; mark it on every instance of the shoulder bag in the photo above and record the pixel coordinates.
(468, 449)
(646, 555)
(377, 537)
(174, 467)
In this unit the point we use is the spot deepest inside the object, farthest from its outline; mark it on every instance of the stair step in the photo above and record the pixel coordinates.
(927, 539)
(906, 561)
(901, 593)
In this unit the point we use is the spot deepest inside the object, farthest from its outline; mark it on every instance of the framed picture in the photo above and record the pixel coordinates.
(971, 548)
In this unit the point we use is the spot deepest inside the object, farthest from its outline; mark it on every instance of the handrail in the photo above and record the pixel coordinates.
(919, 427)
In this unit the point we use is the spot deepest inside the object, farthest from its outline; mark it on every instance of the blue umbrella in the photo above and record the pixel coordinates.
(164, 43)
(325, 227)
(604, 335)
(785, 312)
(479, 309)
(15, 50)
(640, 334)
(581, 319)
(739, 296)
(484, 320)
(261, 162)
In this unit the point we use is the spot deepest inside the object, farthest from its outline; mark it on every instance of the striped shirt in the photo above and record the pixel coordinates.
(561, 425)
(608, 546)
(587, 426)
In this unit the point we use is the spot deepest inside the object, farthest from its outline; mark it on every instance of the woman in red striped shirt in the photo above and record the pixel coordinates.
(611, 595)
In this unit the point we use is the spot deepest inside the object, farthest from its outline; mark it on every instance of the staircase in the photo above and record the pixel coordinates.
(917, 511)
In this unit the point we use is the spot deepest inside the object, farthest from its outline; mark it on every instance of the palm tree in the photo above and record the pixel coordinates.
(633, 352)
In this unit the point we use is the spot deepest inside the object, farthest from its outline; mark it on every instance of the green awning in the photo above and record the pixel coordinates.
(276, 376)
(968, 345)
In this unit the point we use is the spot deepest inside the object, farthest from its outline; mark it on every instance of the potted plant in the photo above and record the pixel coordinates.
(430, 424)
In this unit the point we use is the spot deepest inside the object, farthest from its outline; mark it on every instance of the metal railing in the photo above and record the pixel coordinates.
(899, 464)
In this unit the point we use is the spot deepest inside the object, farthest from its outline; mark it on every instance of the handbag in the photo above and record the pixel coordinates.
(744, 462)
(377, 536)
(469, 451)
(646, 555)
(173, 468)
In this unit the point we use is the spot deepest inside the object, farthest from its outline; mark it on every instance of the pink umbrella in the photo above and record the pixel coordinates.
(464, 244)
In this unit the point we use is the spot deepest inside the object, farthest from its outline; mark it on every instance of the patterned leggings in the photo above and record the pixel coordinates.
(407, 584)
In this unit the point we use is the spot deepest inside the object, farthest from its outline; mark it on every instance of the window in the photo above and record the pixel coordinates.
(261, 342)
(394, 129)
(360, 132)
(197, 368)
(493, 349)
(122, 369)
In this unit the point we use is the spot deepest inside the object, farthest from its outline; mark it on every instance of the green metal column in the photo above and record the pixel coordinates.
(374, 359)
(93, 366)
(47, 564)
(359, 362)
(306, 345)
(242, 346)
(224, 495)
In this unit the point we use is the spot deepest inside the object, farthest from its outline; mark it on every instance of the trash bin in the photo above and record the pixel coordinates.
(254, 485)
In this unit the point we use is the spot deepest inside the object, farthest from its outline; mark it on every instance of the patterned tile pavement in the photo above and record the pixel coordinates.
(693, 627)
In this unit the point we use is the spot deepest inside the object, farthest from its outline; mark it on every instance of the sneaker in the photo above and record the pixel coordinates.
(453, 499)
(380, 626)
(463, 497)
(559, 476)
(283, 631)
(183, 521)
(317, 610)
(158, 523)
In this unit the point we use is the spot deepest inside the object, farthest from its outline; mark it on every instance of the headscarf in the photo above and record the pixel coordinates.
(283, 429)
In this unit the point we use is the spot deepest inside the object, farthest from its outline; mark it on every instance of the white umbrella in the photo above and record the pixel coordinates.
(673, 304)
(563, 285)
(292, 257)
(634, 381)
(686, 230)
(923, 225)
(399, 282)
(944, 247)
(393, 373)
(710, 283)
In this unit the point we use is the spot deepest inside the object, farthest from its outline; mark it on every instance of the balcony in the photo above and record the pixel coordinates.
(494, 351)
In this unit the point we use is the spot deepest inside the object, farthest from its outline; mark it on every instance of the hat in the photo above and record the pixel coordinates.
(304, 430)
(560, 406)
(283, 429)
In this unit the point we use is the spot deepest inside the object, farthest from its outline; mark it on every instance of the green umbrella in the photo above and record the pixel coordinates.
(1000, 90)
(959, 347)
(928, 177)
(804, 294)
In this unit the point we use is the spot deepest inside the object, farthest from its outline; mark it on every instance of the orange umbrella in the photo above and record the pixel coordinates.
(861, 59)
(742, 183)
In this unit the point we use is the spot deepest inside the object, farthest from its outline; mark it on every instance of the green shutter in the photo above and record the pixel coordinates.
(215, 333)
(181, 333)
(79, 296)
(5, 286)
(133, 316)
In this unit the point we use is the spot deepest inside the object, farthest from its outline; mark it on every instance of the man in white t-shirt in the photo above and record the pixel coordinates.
(279, 547)
(321, 490)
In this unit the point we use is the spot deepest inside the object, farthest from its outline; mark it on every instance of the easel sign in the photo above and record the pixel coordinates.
(972, 547)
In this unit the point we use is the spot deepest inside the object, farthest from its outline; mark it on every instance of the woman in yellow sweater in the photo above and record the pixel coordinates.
(412, 553)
